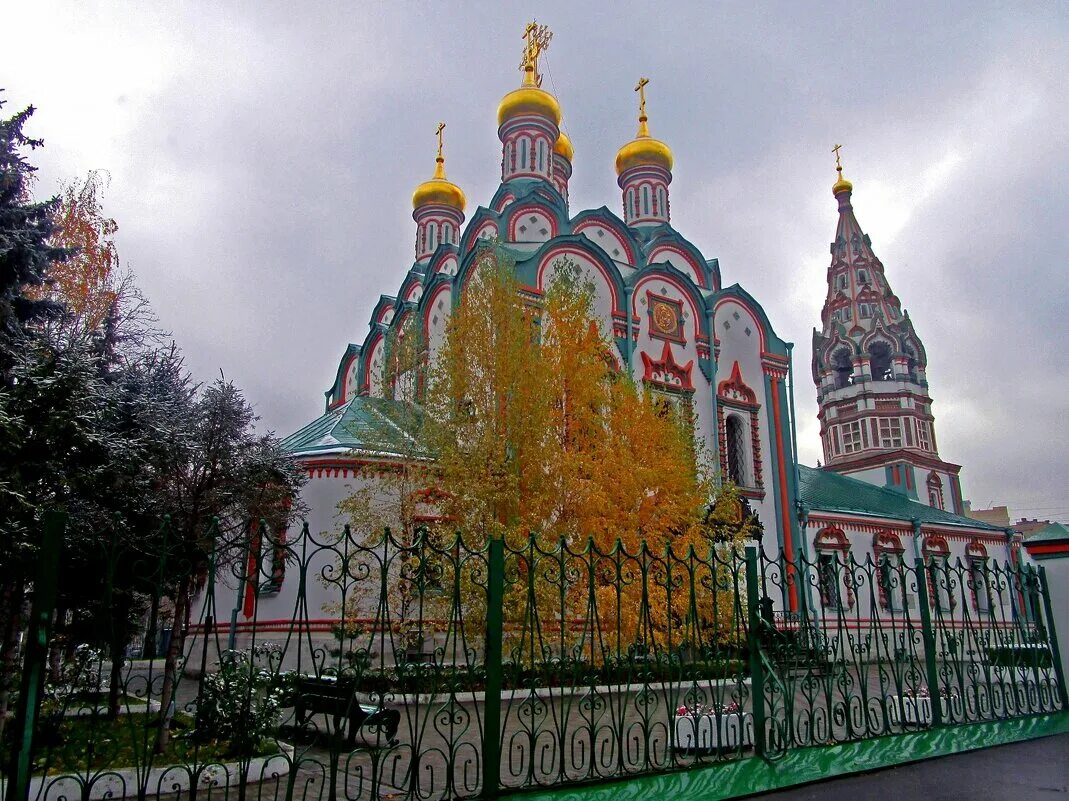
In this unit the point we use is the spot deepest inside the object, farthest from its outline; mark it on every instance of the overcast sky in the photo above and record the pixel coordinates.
(262, 158)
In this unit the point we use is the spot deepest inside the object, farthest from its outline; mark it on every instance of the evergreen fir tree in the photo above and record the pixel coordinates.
(25, 229)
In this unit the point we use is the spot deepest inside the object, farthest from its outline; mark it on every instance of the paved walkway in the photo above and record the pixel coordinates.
(1037, 770)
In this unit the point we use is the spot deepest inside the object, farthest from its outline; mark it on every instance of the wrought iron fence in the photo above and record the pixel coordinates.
(319, 666)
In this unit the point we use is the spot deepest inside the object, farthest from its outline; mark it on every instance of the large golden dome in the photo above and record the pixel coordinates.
(528, 99)
(563, 147)
(439, 191)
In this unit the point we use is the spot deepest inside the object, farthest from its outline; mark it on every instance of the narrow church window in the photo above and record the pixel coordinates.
(541, 155)
(865, 311)
(735, 436)
(662, 201)
(862, 277)
(981, 588)
(842, 281)
(893, 581)
(523, 154)
(646, 201)
(848, 313)
(880, 361)
(828, 570)
(433, 230)
(935, 491)
(924, 435)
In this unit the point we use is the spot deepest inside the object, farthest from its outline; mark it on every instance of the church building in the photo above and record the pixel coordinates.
(682, 333)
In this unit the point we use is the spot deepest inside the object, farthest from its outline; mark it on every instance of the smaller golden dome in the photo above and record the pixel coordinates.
(842, 185)
(563, 147)
(439, 191)
(643, 149)
(528, 99)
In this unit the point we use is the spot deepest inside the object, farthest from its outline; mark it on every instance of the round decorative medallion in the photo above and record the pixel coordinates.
(664, 318)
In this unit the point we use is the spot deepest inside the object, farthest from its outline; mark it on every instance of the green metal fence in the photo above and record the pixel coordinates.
(427, 666)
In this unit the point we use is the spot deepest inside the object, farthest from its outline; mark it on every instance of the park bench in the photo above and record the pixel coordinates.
(328, 695)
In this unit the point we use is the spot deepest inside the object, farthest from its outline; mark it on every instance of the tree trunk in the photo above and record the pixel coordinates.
(12, 597)
(120, 634)
(170, 665)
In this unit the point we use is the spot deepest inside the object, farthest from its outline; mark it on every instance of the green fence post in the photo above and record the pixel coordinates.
(1052, 639)
(757, 675)
(928, 635)
(33, 670)
(495, 597)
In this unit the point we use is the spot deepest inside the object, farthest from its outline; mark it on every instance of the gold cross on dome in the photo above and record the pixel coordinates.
(641, 89)
(537, 39)
(838, 164)
(441, 127)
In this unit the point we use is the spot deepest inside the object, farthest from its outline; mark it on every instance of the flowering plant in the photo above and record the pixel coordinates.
(730, 708)
(916, 692)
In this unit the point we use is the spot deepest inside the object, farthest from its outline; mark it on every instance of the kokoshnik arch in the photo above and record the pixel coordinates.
(884, 491)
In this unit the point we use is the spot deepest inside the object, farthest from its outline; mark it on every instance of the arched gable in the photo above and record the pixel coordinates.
(880, 334)
(382, 314)
(371, 358)
(581, 247)
(435, 310)
(346, 379)
(483, 224)
(614, 230)
(669, 245)
(531, 222)
(770, 342)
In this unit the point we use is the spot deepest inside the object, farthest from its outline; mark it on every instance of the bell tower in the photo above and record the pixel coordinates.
(875, 413)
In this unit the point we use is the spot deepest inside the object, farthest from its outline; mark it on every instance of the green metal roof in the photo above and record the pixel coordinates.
(1055, 532)
(831, 492)
(370, 426)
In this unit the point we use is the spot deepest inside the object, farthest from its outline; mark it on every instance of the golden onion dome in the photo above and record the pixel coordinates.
(563, 147)
(439, 191)
(842, 185)
(528, 99)
(643, 149)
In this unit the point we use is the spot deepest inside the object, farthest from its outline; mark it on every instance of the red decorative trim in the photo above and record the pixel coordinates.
(527, 208)
(735, 389)
(665, 373)
(620, 240)
(785, 509)
(699, 276)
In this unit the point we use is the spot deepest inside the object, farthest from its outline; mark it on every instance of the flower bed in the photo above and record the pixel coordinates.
(716, 728)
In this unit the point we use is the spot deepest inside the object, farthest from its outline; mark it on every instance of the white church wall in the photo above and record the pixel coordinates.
(681, 352)
(731, 321)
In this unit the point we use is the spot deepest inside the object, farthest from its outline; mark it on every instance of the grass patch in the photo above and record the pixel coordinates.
(94, 743)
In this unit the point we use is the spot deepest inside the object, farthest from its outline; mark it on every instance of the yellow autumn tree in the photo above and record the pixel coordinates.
(88, 283)
(542, 440)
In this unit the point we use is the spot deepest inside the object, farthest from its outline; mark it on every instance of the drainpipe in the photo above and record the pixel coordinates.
(802, 546)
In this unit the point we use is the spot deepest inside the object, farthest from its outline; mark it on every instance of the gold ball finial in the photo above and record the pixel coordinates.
(841, 185)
